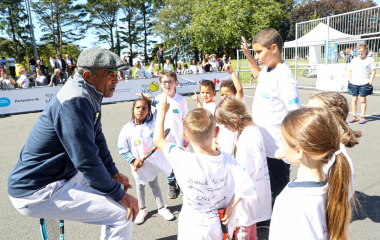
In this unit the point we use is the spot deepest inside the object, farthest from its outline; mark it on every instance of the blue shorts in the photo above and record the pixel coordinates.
(363, 90)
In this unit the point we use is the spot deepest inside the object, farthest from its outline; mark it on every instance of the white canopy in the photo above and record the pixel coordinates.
(318, 36)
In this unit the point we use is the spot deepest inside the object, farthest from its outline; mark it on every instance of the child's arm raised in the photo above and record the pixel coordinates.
(252, 63)
(196, 99)
(145, 96)
(235, 80)
(159, 135)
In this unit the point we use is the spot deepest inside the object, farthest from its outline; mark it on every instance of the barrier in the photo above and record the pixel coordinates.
(36, 99)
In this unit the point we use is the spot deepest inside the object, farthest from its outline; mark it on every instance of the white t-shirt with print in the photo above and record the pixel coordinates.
(167, 67)
(138, 139)
(21, 79)
(140, 72)
(361, 70)
(208, 183)
(250, 154)
(299, 212)
(174, 118)
(194, 68)
(149, 72)
(11, 62)
(214, 65)
(211, 106)
(276, 94)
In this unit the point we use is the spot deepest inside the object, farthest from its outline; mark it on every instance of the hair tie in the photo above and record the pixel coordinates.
(338, 152)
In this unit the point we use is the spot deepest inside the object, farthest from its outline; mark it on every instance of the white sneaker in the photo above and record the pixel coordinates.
(165, 213)
(141, 216)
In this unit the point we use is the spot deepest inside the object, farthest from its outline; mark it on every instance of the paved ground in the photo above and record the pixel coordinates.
(14, 130)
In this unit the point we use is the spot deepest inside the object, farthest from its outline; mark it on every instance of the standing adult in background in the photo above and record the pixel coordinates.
(70, 65)
(160, 58)
(32, 63)
(128, 58)
(60, 64)
(3, 63)
(12, 68)
(175, 52)
(65, 170)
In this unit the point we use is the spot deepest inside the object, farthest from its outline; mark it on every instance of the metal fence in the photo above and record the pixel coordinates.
(330, 40)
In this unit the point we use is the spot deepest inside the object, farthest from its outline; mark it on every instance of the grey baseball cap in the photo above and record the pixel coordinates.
(100, 58)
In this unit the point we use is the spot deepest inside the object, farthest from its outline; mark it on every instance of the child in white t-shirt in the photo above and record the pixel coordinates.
(139, 71)
(214, 64)
(207, 91)
(361, 75)
(149, 70)
(250, 154)
(276, 94)
(135, 140)
(167, 65)
(174, 121)
(226, 139)
(210, 179)
(200, 67)
(313, 206)
(23, 81)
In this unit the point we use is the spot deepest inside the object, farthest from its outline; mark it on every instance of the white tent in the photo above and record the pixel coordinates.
(318, 36)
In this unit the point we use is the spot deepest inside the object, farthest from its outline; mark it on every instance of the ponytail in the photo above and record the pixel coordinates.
(338, 208)
(349, 137)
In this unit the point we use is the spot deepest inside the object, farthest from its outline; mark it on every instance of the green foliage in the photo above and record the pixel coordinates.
(103, 15)
(61, 21)
(215, 27)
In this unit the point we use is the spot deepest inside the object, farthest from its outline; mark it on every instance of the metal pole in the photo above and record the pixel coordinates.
(32, 31)
(296, 53)
(238, 69)
(327, 41)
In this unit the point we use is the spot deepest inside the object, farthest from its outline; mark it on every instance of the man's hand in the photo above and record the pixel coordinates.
(228, 68)
(138, 163)
(131, 204)
(122, 179)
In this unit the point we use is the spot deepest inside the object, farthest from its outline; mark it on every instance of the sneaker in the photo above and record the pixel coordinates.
(172, 193)
(353, 119)
(141, 216)
(165, 213)
(362, 120)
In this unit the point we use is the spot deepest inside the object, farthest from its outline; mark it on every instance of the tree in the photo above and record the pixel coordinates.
(325, 8)
(146, 11)
(104, 19)
(13, 21)
(173, 18)
(130, 31)
(61, 21)
(215, 27)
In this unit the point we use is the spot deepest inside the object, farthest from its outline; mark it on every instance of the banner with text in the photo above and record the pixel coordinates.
(36, 98)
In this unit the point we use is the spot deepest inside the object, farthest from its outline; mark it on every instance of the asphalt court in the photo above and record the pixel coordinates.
(14, 130)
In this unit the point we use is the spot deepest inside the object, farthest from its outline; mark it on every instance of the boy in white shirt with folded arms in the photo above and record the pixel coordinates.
(210, 179)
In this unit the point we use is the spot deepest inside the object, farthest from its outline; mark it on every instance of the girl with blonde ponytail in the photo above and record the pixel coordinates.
(314, 205)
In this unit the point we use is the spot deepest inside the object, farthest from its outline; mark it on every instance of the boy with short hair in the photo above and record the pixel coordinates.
(207, 91)
(210, 179)
(276, 94)
(185, 70)
(174, 121)
(361, 81)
